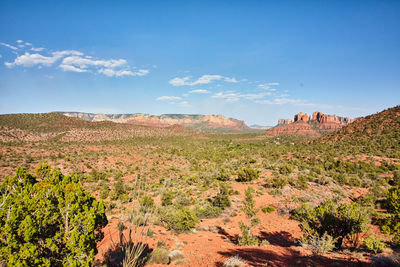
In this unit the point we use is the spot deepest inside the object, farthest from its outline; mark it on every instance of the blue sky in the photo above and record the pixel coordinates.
(252, 60)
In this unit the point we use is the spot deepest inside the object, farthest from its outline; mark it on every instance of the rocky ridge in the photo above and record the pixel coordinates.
(198, 122)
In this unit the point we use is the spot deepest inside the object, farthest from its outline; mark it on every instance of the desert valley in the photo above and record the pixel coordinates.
(216, 194)
(199, 133)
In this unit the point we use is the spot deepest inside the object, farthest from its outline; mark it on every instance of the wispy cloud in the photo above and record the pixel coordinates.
(119, 73)
(37, 49)
(232, 96)
(267, 86)
(9, 46)
(284, 100)
(72, 61)
(199, 91)
(71, 68)
(168, 98)
(205, 79)
(184, 104)
(231, 80)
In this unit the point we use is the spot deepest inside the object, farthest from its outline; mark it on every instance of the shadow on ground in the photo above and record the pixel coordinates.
(282, 251)
(287, 257)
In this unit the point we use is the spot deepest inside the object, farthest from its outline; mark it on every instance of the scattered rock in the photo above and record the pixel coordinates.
(175, 255)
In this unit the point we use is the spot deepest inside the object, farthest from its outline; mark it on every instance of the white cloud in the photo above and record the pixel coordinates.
(231, 80)
(85, 62)
(37, 49)
(30, 60)
(267, 86)
(205, 79)
(283, 101)
(199, 91)
(141, 72)
(168, 98)
(231, 96)
(120, 73)
(9, 46)
(71, 68)
(179, 81)
(72, 60)
(63, 53)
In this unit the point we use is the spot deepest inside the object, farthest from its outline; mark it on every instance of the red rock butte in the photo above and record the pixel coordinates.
(311, 126)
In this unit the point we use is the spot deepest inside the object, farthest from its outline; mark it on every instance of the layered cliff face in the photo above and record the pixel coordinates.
(200, 122)
(301, 117)
(311, 126)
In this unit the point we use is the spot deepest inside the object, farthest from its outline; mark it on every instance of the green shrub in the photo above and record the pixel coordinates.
(354, 181)
(279, 182)
(208, 212)
(248, 174)
(301, 182)
(183, 200)
(146, 204)
(246, 239)
(339, 221)
(392, 224)
(286, 169)
(224, 175)
(255, 221)
(159, 256)
(119, 189)
(320, 245)
(167, 198)
(104, 192)
(340, 179)
(268, 209)
(179, 220)
(374, 244)
(53, 221)
(222, 200)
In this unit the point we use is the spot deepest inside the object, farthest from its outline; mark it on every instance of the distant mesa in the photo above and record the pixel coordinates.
(195, 122)
(282, 122)
(311, 126)
(260, 127)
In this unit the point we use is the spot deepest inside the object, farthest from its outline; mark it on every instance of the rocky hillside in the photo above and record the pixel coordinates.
(377, 134)
(198, 122)
(311, 126)
(57, 127)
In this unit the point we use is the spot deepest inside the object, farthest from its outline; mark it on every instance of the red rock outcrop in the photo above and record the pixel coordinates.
(323, 118)
(301, 117)
(320, 123)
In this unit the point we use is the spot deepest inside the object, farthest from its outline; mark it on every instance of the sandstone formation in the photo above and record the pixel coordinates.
(323, 118)
(200, 122)
(301, 117)
(312, 126)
